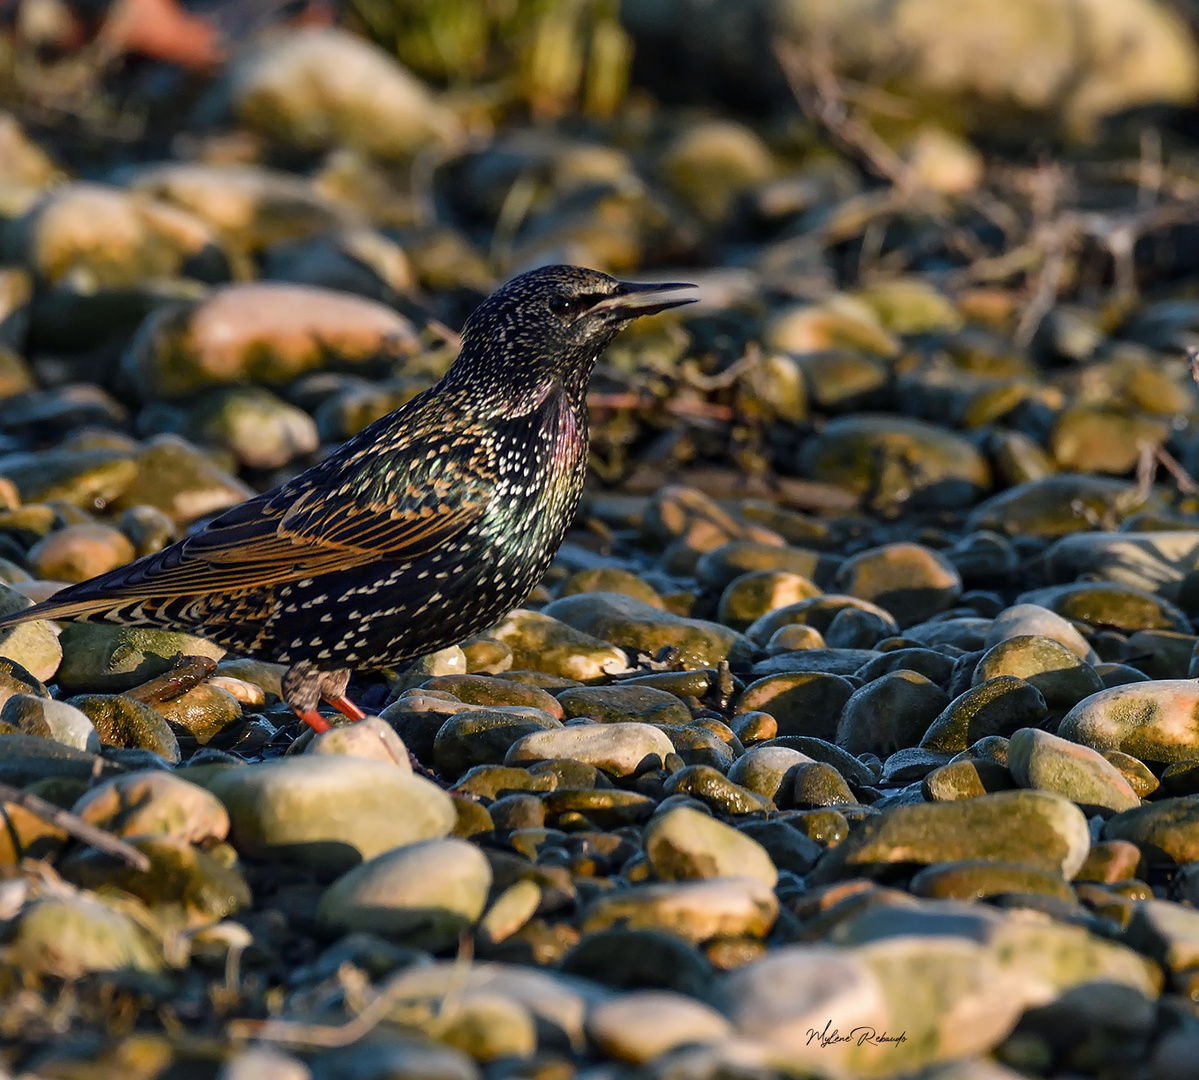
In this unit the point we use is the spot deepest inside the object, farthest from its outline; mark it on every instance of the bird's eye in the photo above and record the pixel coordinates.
(565, 305)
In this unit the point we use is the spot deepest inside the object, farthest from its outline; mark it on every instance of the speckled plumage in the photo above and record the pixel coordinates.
(424, 528)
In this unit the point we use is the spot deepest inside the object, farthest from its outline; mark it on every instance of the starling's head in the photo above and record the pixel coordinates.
(551, 324)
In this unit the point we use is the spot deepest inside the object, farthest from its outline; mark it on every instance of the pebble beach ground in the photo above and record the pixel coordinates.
(854, 732)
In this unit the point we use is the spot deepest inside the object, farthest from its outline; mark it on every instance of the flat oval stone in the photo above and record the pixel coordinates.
(329, 812)
(1040, 760)
(718, 568)
(51, 719)
(1106, 603)
(949, 995)
(850, 767)
(966, 632)
(910, 581)
(965, 780)
(930, 663)
(796, 990)
(711, 786)
(109, 659)
(1161, 654)
(610, 579)
(33, 645)
(494, 781)
(1032, 827)
(203, 713)
(753, 726)
(1045, 507)
(511, 910)
(628, 622)
(606, 808)
(683, 844)
(890, 713)
(481, 690)
(153, 802)
(370, 738)
(183, 880)
(84, 478)
(793, 638)
(829, 661)
(25, 759)
(1135, 771)
(1152, 721)
(639, 959)
(1062, 677)
(122, 721)
(818, 612)
(953, 473)
(619, 749)
(541, 643)
(643, 704)
(14, 680)
(73, 936)
(485, 736)
(752, 595)
(819, 784)
(802, 703)
(425, 894)
(767, 769)
(696, 911)
(697, 745)
(1166, 830)
(254, 425)
(1022, 620)
(639, 1026)
(977, 879)
(998, 706)
(1156, 561)
(1109, 861)
(271, 332)
(78, 552)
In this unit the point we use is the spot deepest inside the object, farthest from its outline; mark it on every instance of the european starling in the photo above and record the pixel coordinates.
(424, 528)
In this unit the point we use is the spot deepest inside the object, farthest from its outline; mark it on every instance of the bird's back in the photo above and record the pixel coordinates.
(424, 528)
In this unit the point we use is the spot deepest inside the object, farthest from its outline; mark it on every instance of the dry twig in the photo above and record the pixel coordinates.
(809, 74)
(75, 826)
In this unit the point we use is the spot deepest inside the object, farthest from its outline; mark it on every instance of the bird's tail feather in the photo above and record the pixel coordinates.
(60, 609)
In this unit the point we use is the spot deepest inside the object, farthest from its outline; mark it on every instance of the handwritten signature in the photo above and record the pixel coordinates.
(862, 1036)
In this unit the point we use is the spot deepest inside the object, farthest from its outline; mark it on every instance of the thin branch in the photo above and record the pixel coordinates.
(809, 74)
(384, 1005)
(75, 826)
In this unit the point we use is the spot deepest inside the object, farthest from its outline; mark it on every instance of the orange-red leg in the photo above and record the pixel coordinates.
(346, 707)
(314, 720)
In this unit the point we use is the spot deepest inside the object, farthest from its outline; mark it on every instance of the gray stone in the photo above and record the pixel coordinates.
(1040, 760)
(684, 844)
(619, 749)
(329, 812)
(426, 894)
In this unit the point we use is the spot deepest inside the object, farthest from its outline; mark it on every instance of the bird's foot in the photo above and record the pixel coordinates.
(305, 686)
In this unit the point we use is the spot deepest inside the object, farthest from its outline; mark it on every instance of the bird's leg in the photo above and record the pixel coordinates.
(333, 690)
(302, 686)
(314, 720)
(347, 708)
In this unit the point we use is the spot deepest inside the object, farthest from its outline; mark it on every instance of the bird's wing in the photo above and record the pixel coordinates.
(411, 505)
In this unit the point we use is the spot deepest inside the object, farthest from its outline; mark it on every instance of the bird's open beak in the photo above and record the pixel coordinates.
(635, 299)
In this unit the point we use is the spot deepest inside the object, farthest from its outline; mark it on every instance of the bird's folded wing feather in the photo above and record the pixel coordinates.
(299, 532)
